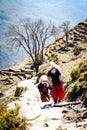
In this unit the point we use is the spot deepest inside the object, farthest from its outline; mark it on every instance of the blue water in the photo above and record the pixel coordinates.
(57, 11)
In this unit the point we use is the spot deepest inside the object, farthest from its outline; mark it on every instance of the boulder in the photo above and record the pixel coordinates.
(21, 88)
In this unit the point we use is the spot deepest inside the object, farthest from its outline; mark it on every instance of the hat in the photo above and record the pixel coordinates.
(53, 71)
(43, 78)
(52, 64)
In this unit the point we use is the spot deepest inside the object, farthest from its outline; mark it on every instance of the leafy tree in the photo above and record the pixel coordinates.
(65, 27)
(32, 36)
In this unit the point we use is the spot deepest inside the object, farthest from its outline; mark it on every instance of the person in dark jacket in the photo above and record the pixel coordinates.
(54, 77)
(44, 89)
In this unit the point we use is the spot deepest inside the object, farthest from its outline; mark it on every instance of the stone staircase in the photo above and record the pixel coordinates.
(76, 35)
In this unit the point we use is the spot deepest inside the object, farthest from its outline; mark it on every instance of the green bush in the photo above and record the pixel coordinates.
(75, 74)
(79, 71)
(74, 91)
(9, 119)
(54, 58)
(83, 76)
(76, 87)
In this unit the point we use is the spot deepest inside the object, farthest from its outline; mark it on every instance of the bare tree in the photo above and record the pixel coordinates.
(32, 36)
(55, 32)
(65, 27)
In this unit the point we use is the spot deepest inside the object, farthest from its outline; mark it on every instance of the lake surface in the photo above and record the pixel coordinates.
(57, 11)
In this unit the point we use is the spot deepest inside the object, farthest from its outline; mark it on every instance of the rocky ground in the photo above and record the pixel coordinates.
(70, 117)
(40, 116)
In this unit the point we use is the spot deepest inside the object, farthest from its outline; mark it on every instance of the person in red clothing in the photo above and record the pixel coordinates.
(55, 78)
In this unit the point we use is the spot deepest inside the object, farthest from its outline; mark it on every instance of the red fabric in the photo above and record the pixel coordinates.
(58, 92)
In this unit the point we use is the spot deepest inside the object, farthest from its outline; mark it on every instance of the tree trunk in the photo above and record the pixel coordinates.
(36, 65)
(66, 39)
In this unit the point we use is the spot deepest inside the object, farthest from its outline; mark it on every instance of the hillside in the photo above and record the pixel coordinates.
(54, 52)
(78, 34)
(67, 116)
(70, 58)
(77, 39)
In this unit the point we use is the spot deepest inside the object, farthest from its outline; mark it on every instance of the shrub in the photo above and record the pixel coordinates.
(75, 74)
(79, 71)
(78, 81)
(83, 77)
(9, 119)
(73, 91)
(84, 98)
(19, 91)
(54, 58)
(77, 50)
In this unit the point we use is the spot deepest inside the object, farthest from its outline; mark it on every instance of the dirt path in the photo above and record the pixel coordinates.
(52, 118)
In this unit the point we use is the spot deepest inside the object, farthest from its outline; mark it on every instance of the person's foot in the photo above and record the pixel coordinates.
(55, 102)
